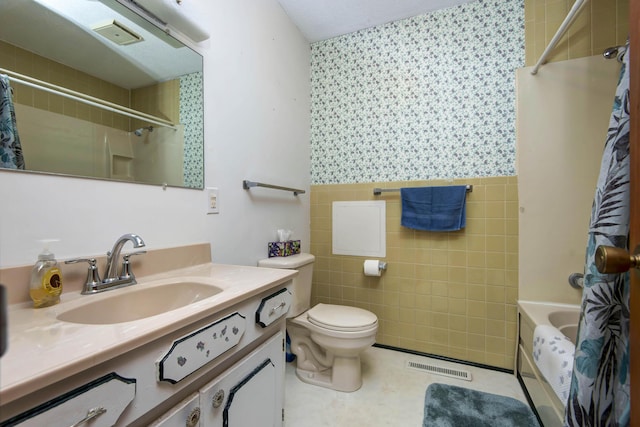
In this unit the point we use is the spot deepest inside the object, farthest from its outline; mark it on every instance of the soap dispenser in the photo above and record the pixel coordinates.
(46, 279)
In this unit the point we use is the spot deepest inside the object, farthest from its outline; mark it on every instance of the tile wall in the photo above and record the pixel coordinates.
(420, 100)
(451, 294)
(600, 24)
(24, 62)
(160, 100)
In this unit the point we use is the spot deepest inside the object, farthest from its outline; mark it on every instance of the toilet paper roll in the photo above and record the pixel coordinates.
(372, 267)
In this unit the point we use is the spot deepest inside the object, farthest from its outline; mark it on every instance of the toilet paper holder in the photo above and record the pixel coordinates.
(373, 267)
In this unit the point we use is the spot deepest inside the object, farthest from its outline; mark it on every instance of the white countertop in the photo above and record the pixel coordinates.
(43, 350)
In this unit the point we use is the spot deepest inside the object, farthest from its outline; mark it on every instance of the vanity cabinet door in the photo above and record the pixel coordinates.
(249, 394)
(96, 404)
(184, 414)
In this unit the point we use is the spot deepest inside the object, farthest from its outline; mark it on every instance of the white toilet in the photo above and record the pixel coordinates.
(326, 339)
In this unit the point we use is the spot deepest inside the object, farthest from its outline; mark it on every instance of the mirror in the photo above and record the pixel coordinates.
(100, 91)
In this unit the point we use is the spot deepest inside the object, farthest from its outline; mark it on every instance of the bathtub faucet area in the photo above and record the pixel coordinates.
(546, 346)
(576, 280)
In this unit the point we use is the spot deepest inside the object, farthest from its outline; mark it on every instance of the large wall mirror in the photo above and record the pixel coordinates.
(100, 91)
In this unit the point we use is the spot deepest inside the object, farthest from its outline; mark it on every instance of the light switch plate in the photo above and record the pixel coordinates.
(213, 202)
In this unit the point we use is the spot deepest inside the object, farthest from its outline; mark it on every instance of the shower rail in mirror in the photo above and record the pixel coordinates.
(84, 98)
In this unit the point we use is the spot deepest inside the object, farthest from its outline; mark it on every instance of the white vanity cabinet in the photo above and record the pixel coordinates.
(99, 403)
(184, 414)
(249, 394)
(226, 369)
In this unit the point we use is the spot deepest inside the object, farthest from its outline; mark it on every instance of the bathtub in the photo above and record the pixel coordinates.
(563, 317)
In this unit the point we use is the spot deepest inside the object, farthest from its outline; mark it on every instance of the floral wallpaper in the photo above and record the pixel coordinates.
(191, 116)
(430, 97)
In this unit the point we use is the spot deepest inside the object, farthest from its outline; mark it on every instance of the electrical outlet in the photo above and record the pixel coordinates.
(212, 201)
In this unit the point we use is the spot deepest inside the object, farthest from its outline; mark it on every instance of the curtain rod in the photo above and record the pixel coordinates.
(378, 191)
(84, 98)
(573, 13)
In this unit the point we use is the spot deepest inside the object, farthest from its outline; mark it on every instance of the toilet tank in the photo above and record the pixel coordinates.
(301, 287)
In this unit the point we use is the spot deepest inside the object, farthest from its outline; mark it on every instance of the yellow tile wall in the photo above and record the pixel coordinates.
(24, 62)
(452, 294)
(599, 25)
(160, 100)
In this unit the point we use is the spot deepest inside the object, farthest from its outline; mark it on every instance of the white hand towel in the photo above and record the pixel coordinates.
(553, 354)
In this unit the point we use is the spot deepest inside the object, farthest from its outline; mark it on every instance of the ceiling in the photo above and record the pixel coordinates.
(325, 19)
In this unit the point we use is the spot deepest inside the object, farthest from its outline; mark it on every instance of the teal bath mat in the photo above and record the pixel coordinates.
(451, 406)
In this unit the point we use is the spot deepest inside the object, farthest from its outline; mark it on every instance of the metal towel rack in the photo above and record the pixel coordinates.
(378, 191)
(248, 184)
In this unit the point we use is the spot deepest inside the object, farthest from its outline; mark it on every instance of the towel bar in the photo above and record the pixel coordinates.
(378, 191)
(248, 184)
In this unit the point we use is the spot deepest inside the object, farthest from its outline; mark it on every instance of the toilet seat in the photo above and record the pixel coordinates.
(341, 318)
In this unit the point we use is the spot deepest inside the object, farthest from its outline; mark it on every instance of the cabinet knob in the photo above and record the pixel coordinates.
(609, 259)
(193, 418)
(218, 398)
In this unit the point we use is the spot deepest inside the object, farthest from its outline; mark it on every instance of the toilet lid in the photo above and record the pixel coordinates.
(341, 318)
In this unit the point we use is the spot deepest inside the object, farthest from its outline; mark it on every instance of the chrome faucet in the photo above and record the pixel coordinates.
(113, 256)
(112, 279)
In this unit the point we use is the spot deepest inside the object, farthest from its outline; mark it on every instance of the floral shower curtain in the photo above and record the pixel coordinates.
(10, 148)
(599, 394)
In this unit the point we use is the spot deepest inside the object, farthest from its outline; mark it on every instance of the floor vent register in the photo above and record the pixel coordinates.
(439, 370)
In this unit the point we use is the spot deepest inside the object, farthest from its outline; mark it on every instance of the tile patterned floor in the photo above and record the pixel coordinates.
(391, 395)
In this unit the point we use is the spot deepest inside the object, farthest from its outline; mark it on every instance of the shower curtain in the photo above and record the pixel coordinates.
(10, 148)
(599, 394)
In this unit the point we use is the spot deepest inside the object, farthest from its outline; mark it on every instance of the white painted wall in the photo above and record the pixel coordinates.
(256, 68)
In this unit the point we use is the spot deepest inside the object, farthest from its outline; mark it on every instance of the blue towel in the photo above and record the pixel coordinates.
(434, 208)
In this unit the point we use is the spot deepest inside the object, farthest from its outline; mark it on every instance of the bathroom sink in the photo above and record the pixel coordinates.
(138, 302)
